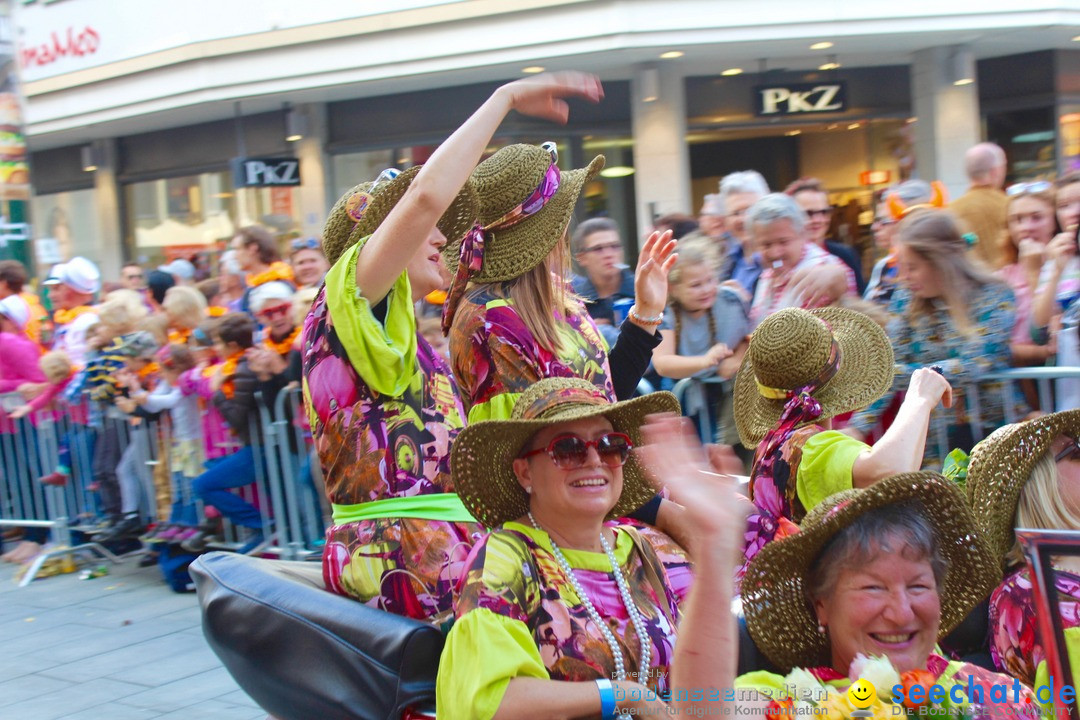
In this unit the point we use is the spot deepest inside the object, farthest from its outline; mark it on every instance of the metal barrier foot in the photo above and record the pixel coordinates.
(40, 560)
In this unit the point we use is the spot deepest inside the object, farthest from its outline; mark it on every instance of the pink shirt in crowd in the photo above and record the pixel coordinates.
(218, 439)
(772, 291)
(19, 358)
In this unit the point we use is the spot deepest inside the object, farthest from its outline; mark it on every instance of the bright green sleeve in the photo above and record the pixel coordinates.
(497, 408)
(825, 469)
(1042, 672)
(383, 354)
(764, 683)
(483, 653)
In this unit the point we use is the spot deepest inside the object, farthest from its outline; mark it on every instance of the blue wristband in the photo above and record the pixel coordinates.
(608, 709)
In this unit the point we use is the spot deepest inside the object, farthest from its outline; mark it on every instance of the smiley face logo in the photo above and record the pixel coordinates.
(861, 694)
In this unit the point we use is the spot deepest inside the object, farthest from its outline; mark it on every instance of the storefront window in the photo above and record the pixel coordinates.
(67, 224)
(1070, 138)
(198, 214)
(1028, 138)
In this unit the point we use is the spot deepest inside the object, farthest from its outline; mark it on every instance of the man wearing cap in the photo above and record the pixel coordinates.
(19, 360)
(182, 271)
(72, 286)
(13, 278)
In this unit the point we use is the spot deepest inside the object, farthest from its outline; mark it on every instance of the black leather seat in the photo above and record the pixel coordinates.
(302, 652)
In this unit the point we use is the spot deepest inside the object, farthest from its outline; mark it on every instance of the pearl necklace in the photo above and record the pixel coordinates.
(590, 609)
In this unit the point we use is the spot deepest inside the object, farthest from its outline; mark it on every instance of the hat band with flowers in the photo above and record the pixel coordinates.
(471, 257)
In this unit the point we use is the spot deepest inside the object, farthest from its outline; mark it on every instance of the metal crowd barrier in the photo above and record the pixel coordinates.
(1045, 379)
(29, 449)
(293, 509)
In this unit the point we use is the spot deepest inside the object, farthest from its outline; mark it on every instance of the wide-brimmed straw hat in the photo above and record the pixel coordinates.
(1001, 465)
(360, 211)
(483, 453)
(503, 182)
(793, 349)
(778, 613)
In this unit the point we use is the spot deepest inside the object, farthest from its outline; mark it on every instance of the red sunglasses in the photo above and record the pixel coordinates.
(570, 451)
(275, 311)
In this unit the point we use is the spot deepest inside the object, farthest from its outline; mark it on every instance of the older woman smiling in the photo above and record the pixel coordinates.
(886, 572)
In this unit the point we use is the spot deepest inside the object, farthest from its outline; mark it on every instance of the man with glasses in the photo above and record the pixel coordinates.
(132, 277)
(308, 262)
(983, 208)
(812, 198)
(598, 250)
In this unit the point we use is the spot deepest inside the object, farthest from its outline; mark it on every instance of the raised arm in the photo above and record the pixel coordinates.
(414, 217)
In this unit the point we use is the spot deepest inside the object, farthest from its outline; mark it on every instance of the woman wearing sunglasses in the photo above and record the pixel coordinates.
(1027, 475)
(574, 614)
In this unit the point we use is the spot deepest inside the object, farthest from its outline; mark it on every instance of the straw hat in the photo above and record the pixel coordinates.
(483, 454)
(362, 209)
(1001, 465)
(778, 613)
(791, 349)
(504, 181)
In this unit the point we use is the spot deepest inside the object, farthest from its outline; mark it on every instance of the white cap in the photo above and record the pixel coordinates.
(273, 290)
(181, 268)
(15, 309)
(78, 273)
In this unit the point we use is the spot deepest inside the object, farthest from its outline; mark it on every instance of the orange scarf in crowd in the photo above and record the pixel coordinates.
(277, 271)
(180, 337)
(150, 369)
(37, 316)
(228, 369)
(216, 311)
(281, 347)
(66, 317)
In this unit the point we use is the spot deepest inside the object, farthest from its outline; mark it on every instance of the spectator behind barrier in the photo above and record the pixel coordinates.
(13, 281)
(812, 197)
(981, 210)
(308, 262)
(953, 314)
(883, 278)
(738, 193)
(598, 250)
(233, 384)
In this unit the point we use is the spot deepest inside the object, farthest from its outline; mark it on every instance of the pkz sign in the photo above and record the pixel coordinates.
(266, 172)
(800, 99)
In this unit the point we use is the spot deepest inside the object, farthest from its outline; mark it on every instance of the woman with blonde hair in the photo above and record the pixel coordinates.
(186, 309)
(1027, 475)
(510, 315)
(704, 330)
(952, 314)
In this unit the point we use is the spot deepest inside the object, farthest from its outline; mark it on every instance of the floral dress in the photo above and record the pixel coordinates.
(495, 357)
(807, 467)
(518, 609)
(384, 412)
(935, 340)
(1014, 629)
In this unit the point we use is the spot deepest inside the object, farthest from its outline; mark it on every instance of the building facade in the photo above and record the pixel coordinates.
(156, 130)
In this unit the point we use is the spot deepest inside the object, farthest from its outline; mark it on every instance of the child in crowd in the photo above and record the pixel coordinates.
(233, 384)
(186, 453)
(704, 332)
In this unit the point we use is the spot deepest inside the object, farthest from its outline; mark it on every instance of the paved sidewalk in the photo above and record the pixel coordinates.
(119, 647)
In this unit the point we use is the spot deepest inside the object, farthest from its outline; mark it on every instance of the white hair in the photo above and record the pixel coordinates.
(773, 208)
(745, 181)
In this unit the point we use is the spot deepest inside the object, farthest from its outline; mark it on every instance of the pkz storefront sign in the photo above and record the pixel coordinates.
(800, 99)
(265, 172)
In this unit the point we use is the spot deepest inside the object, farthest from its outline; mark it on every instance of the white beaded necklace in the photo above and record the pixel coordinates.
(594, 615)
